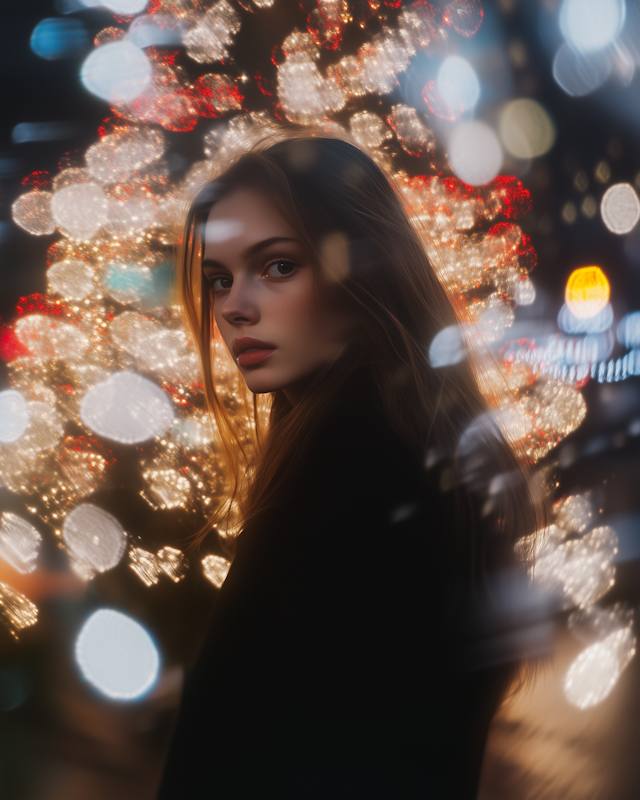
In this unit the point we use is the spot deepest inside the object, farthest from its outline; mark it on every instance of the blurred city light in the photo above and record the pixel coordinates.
(447, 347)
(118, 6)
(95, 538)
(127, 408)
(628, 332)
(590, 25)
(596, 670)
(59, 38)
(587, 291)
(14, 415)
(117, 72)
(597, 323)
(116, 655)
(525, 292)
(578, 74)
(19, 542)
(156, 30)
(458, 83)
(42, 131)
(620, 208)
(526, 130)
(475, 153)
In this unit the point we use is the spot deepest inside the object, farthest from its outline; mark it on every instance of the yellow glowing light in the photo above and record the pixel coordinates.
(587, 291)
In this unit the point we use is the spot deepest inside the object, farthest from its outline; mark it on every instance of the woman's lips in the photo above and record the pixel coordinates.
(250, 357)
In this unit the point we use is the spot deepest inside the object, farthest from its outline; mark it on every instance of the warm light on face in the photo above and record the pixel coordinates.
(280, 324)
(587, 291)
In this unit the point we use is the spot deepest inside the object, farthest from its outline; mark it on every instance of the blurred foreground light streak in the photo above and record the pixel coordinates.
(19, 542)
(148, 567)
(16, 610)
(628, 332)
(620, 208)
(116, 655)
(594, 673)
(216, 569)
(55, 38)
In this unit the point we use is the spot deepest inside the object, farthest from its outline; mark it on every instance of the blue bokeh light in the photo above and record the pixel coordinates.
(117, 72)
(590, 25)
(458, 83)
(59, 38)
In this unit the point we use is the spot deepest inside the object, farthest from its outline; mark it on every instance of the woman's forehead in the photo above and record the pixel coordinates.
(243, 218)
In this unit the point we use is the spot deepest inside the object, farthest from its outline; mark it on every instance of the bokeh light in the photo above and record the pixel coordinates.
(116, 655)
(59, 38)
(587, 291)
(447, 347)
(577, 74)
(475, 153)
(596, 670)
(127, 408)
(620, 208)
(19, 542)
(95, 538)
(590, 25)
(117, 72)
(14, 415)
(124, 7)
(628, 332)
(458, 83)
(526, 129)
(596, 323)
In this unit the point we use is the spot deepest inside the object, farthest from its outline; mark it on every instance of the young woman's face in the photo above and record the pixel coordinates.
(280, 324)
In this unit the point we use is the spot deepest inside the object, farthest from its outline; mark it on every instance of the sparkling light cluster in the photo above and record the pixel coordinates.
(106, 353)
(574, 561)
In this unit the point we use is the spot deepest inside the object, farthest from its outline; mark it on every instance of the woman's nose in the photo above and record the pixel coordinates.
(239, 307)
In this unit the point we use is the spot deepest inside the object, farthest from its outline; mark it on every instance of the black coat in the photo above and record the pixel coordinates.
(333, 666)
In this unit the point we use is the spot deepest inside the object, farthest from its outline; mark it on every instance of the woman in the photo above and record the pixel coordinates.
(342, 658)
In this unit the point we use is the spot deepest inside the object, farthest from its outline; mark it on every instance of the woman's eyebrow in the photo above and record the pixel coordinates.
(251, 251)
(257, 248)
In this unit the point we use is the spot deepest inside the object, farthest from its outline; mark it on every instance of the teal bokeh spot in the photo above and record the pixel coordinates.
(164, 282)
(131, 283)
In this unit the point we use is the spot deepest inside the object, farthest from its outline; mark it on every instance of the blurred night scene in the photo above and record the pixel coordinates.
(512, 129)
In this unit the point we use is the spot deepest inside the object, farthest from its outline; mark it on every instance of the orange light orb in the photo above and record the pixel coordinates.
(587, 291)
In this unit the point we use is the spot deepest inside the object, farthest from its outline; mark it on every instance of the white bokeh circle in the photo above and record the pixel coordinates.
(14, 416)
(475, 153)
(620, 208)
(116, 655)
(94, 537)
(127, 408)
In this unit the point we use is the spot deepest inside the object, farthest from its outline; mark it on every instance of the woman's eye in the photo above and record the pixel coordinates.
(219, 283)
(280, 268)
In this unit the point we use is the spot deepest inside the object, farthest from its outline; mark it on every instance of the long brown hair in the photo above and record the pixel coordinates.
(353, 222)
